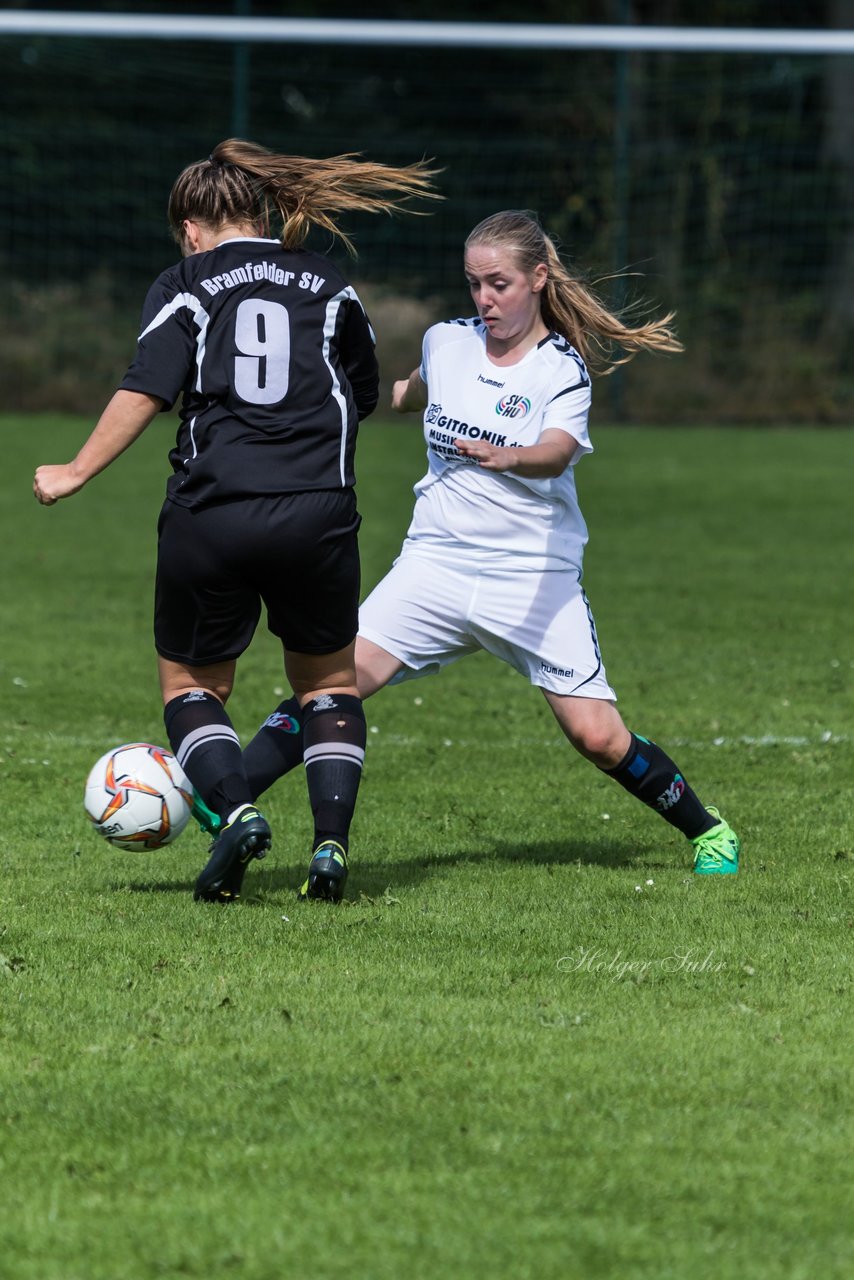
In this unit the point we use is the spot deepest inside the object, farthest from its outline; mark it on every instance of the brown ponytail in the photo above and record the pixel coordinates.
(244, 183)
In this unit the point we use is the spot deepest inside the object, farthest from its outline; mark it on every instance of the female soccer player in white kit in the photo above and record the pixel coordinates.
(493, 556)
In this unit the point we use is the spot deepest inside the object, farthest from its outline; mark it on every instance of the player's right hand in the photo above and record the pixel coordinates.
(54, 482)
(408, 395)
(398, 395)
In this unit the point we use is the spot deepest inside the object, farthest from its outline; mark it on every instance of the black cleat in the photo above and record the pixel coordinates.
(229, 889)
(247, 836)
(327, 873)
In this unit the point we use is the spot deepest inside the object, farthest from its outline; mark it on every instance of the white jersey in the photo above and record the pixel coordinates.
(496, 519)
(493, 561)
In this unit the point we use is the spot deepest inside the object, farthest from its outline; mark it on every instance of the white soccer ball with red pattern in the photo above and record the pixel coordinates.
(138, 797)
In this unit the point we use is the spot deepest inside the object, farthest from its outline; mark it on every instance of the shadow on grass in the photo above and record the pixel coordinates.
(373, 877)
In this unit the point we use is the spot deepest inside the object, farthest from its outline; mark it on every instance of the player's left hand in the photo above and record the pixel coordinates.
(491, 457)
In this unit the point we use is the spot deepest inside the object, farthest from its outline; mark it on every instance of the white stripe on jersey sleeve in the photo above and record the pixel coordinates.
(200, 318)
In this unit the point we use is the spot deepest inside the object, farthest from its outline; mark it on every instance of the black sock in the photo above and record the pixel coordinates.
(334, 735)
(208, 750)
(275, 749)
(648, 773)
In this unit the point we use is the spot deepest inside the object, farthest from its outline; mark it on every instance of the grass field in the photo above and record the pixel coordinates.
(531, 1046)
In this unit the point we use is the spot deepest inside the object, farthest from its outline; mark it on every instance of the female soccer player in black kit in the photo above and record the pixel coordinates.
(273, 357)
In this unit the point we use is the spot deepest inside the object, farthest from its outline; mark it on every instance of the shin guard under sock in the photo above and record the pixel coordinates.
(648, 773)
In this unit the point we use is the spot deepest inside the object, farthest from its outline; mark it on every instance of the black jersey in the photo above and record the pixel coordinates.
(273, 357)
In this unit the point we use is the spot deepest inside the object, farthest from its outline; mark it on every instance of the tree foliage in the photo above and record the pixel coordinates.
(725, 180)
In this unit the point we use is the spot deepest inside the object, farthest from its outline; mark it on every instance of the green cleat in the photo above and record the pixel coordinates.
(716, 851)
(209, 821)
(327, 873)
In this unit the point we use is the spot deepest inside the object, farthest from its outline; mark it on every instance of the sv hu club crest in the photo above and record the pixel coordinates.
(513, 406)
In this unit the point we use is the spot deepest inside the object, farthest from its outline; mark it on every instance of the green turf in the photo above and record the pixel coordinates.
(531, 1045)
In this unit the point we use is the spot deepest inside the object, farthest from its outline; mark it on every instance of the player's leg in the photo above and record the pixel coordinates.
(205, 744)
(333, 749)
(200, 731)
(596, 729)
(277, 747)
(542, 625)
(375, 667)
(409, 619)
(311, 590)
(205, 615)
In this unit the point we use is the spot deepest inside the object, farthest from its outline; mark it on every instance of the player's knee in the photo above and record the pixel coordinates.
(597, 732)
(311, 675)
(601, 745)
(219, 689)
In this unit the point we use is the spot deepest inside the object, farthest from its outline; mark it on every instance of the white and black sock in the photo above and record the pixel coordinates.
(208, 750)
(334, 735)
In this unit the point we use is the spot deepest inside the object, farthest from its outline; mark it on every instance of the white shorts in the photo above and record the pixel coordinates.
(428, 614)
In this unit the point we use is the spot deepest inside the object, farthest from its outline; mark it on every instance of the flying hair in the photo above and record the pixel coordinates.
(285, 196)
(603, 338)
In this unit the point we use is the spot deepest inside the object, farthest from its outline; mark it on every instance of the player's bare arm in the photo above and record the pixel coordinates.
(123, 421)
(549, 457)
(408, 395)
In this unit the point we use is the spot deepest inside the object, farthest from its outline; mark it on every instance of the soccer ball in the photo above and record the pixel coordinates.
(138, 797)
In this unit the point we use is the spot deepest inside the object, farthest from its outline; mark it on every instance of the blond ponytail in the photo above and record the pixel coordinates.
(570, 307)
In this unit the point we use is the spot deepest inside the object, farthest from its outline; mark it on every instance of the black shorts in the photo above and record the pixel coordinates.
(297, 553)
